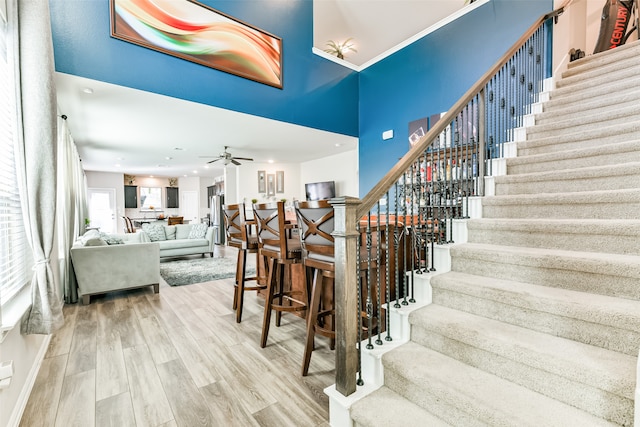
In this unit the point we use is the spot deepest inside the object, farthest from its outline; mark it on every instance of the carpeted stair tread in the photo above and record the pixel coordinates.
(616, 265)
(605, 274)
(585, 121)
(628, 50)
(603, 321)
(385, 407)
(611, 154)
(609, 370)
(442, 382)
(597, 84)
(591, 235)
(560, 110)
(604, 177)
(603, 69)
(591, 378)
(601, 136)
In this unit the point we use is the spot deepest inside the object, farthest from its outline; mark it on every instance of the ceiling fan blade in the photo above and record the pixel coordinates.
(214, 160)
(234, 162)
(244, 158)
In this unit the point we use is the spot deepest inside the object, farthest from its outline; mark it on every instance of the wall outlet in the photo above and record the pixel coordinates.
(6, 369)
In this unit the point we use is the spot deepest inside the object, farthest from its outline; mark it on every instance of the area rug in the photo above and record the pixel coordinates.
(199, 270)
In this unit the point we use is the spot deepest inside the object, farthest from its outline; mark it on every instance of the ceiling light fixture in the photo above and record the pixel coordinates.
(168, 158)
(87, 90)
(270, 161)
(340, 49)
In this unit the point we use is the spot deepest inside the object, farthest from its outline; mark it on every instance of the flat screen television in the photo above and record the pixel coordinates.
(320, 190)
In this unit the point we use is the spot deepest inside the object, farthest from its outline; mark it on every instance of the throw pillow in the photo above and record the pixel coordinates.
(95, 241)
(154, 231)
(111, 239)
(198, 231)
(170, 232)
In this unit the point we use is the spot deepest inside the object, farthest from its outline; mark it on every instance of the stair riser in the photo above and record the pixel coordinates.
(572, 240)
(526, 270)
(568, 210)
(577, 141)
(604, 70)
(437, 401)
(536, 318)
(561, 111)
(602, 83)
(584, 396)
(576, 98)
(572, 185)
(611, 158)
(572, 126)
(621, 53)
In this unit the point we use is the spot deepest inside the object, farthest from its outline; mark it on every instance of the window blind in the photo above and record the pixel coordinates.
(15, 255)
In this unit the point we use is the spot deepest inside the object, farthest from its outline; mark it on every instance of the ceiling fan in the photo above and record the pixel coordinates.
(228, 158)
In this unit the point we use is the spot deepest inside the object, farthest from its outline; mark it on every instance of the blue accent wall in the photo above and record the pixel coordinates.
(316, 93)
(430, 75)
(422, 79)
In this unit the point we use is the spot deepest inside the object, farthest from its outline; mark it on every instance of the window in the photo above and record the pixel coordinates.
(15, 255)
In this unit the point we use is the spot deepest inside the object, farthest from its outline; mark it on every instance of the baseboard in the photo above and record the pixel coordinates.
(21, 403)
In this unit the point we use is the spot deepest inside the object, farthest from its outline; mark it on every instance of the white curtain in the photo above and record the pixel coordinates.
(36, 134)
(72, 206)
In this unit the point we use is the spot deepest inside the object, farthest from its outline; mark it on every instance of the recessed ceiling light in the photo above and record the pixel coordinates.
(87, 90)
(206, 166)
(117, 165)
(185, 175)
(195, 171)
(150, 176)
(338, 144)
(179, 149)
(270, 161)
(168, 158)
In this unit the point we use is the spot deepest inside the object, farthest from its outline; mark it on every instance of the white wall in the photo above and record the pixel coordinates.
(341, 168)
(578, 28)
(26, 351)
(247, 180)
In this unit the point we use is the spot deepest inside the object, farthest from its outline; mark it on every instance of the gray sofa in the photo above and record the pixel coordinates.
(111, 263)
(180, 239)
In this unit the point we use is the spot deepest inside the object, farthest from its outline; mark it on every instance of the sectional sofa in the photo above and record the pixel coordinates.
(180, 239)
(104, 263)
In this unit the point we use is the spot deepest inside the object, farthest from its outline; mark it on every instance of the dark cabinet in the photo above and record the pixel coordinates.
(172, 197)
(211, 191)
(130, 196)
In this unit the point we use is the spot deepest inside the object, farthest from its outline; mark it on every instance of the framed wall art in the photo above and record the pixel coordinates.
(262, 182)
(271, 185)
(279, 181)
(198, 33)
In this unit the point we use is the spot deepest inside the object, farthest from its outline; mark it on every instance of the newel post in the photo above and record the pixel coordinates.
(346, 304)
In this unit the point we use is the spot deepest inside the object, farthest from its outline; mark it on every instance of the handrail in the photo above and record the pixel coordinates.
(376, 193)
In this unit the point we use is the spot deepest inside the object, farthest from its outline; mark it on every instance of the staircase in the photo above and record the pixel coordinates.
(538, 321)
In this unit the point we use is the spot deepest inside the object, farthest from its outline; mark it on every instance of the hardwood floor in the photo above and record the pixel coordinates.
(178, 358)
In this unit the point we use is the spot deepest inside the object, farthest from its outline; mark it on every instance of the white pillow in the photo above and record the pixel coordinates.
(154, 231)
(198, 231)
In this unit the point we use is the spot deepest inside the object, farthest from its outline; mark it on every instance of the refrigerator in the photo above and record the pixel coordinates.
(217, 218)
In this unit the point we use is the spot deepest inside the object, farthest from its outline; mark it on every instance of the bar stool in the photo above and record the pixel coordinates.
(280, 252)
(238, 233)
(315, 224)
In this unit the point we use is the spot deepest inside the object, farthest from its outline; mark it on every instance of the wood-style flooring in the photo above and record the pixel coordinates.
(178, 358)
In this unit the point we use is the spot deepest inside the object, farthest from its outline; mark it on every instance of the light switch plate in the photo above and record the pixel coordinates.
(6, 369)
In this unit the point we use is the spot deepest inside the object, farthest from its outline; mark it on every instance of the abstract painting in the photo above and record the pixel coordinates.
(195, 32)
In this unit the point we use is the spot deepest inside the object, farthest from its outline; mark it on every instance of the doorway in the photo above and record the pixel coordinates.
(190, 207)
(102, 208)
